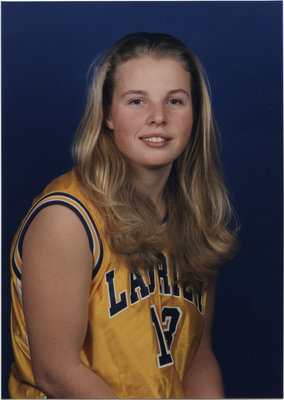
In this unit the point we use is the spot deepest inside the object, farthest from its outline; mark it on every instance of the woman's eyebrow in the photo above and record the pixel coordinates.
(130, 92)
(142, 92)
(175, 91)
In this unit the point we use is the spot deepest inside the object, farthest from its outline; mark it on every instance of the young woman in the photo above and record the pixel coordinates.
(113, 267)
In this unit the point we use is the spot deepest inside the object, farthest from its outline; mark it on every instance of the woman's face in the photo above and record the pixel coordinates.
(151, 113)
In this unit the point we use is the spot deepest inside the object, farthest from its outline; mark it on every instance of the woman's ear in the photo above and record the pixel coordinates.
(109, 122)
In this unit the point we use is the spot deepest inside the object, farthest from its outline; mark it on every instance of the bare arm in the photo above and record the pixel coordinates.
(204, 379)
(57, 267)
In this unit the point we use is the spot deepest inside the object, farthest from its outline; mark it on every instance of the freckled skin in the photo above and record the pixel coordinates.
(151, 99)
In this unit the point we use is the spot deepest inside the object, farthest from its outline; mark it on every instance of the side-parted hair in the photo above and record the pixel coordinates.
(196, 235)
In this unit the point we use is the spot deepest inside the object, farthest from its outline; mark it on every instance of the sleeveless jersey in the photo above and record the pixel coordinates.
(143, 330)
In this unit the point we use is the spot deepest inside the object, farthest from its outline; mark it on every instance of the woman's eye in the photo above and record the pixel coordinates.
(174, 101)
(135, 101)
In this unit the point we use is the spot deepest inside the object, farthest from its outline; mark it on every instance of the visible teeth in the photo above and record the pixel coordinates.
(155, 139)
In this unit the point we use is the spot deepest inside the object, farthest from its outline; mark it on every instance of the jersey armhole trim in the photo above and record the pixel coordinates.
(67, 200)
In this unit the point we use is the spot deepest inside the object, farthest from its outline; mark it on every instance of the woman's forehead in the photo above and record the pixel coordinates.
(148, 71)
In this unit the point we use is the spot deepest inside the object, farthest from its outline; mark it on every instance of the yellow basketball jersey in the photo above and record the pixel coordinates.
(143, 330)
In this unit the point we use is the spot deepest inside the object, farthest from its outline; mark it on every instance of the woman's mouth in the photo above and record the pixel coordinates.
(155, 139)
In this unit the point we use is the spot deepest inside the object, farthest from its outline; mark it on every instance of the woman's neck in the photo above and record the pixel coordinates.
(152, 182)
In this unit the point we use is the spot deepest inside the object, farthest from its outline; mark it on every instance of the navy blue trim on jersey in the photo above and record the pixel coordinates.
(36, 209)
(16, 269)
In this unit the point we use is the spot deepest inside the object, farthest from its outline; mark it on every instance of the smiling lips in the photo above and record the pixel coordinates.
(155, 139)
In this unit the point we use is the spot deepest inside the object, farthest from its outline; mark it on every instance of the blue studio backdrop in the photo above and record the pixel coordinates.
(47, 48)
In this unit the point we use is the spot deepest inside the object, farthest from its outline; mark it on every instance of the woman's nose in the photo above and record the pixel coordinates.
(157, 115)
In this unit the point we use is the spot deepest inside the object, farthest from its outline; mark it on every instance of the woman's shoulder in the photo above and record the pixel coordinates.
(62, 195)
(68, 190)
(66, 184)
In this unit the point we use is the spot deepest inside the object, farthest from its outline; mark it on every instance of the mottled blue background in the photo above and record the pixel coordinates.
(47, 48)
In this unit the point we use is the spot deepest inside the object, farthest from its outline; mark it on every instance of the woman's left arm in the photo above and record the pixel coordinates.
(203, 379)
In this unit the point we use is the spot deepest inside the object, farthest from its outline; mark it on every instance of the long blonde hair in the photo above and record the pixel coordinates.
(197, 234)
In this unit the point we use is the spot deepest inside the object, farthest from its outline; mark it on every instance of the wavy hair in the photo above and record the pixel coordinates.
(197, 234)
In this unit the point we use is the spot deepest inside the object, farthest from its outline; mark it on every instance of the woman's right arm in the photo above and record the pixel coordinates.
(56, 276)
